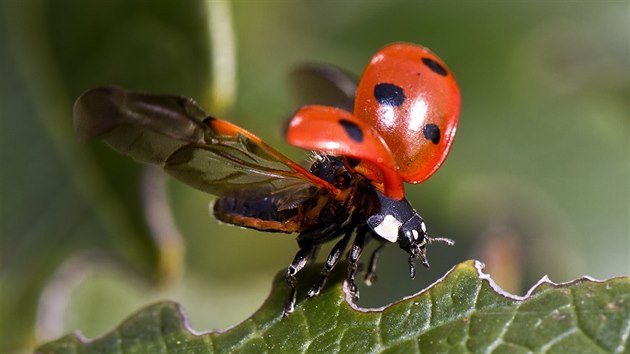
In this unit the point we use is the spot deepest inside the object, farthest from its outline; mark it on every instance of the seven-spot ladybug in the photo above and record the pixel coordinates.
(405, 115)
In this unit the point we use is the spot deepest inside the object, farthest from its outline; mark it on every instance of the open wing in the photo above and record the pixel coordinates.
(323, 84)
(209, 154)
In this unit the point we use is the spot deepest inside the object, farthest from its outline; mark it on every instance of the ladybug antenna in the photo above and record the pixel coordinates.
(420, 252)
(448, 241)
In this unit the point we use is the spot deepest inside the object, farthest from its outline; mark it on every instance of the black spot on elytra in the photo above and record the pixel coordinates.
(389, 94)
(435, 66)
(209, 120)
(432, 132)
(353, 130)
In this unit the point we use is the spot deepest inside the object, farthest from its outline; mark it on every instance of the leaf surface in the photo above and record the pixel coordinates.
(463, 312)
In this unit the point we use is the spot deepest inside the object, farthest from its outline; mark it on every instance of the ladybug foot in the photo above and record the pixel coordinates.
(350, 284)
(370, 275)
(290, 305)
(370, 278)
(352, 290)
(317, 288)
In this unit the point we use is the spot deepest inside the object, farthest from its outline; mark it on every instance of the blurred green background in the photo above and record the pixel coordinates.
(537, 181)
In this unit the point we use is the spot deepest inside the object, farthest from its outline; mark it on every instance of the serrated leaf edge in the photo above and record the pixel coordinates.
(479, 266)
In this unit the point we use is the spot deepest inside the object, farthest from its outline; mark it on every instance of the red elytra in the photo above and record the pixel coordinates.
(410, 104)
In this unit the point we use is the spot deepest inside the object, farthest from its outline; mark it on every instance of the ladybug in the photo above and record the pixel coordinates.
(405, 112)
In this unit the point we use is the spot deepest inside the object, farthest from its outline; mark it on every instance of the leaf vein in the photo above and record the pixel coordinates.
(625, 332)
(161, 322)
(257, 333)
(432, 310)
(558, 338)
(338, 338)
(469, 314)
(306, 343)
(379, 331)
(504, 330)
(578, 322)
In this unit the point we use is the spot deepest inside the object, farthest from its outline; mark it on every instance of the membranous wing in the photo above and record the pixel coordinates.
(323, 84)
(209, 154)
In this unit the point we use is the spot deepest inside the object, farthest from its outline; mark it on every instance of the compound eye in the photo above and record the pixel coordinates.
(407, 238)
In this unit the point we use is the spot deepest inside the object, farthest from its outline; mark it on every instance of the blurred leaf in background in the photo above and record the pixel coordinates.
(62, 200)
(536, 182)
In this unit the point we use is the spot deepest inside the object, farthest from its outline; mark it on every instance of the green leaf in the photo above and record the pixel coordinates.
(463, 312)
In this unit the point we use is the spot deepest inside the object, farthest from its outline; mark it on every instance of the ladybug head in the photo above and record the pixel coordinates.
(412, 236)
(397, 221)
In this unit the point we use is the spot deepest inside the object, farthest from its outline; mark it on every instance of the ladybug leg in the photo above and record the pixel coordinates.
(353, 258)
(332, 260)
(301, 258)
(412, 264)
(370, 275)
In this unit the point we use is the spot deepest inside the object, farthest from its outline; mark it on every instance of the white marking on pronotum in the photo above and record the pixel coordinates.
(388, 228)
(423, 226)
(415, 234)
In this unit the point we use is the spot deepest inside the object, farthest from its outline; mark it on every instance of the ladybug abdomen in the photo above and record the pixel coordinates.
(262, 214)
